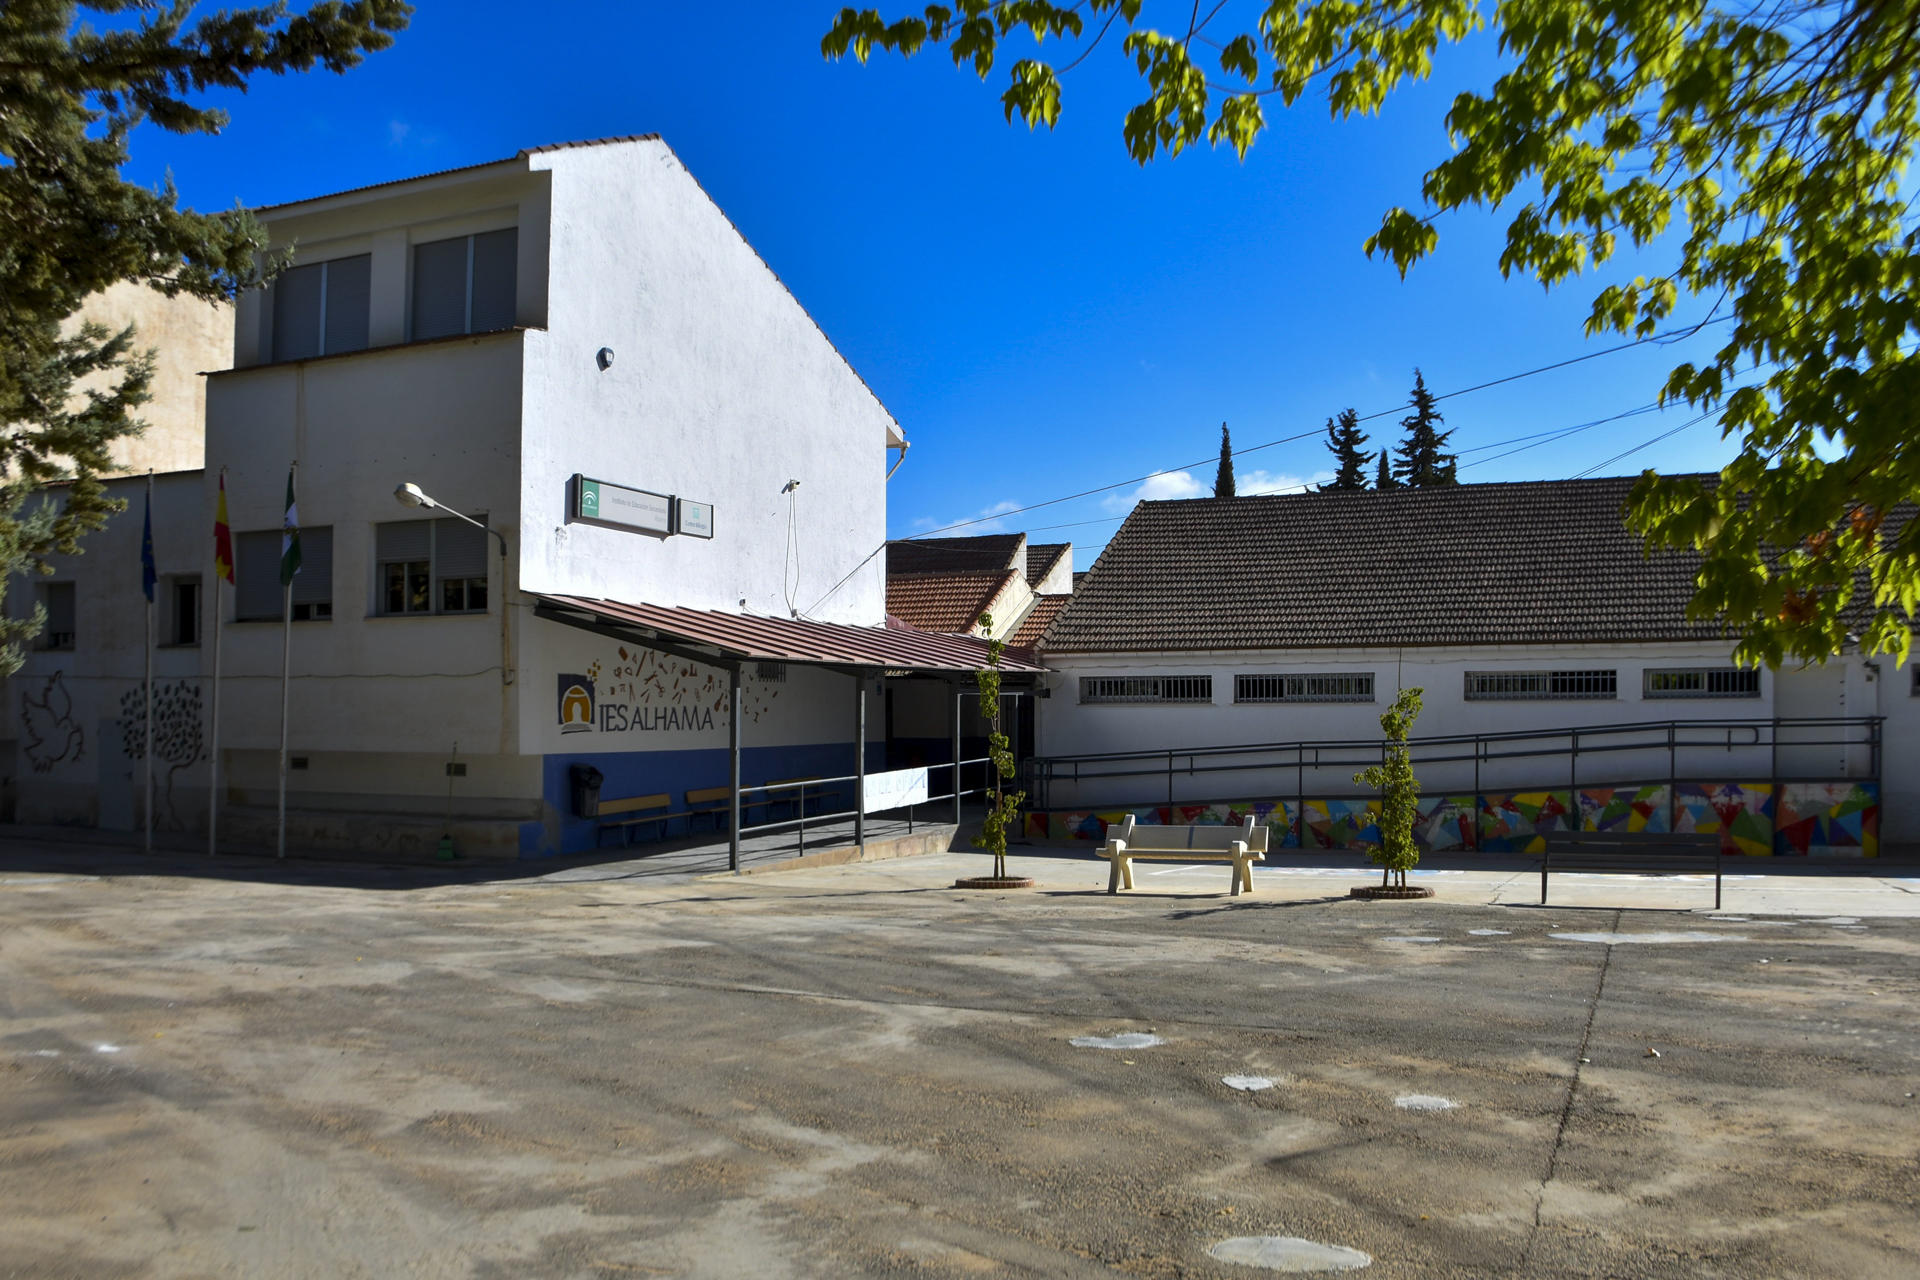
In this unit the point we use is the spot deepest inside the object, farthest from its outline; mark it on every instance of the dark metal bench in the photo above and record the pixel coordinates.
(1632, 853)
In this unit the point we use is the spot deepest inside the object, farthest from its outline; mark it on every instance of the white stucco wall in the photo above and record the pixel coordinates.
(442, 415)
(1069, 727)
(722, 389)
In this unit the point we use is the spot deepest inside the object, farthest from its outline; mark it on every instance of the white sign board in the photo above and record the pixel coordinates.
(896, 790)
(618, 505)
(694, 519)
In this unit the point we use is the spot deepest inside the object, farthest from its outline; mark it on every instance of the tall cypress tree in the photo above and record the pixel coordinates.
(1423, 458)
(1384, 479)
(1344, 439)
(1223, 478)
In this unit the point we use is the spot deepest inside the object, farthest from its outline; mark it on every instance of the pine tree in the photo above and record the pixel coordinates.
(71, 93)
(1384, 478)
(1344, 439)
(1223, 478)
(1423, 459)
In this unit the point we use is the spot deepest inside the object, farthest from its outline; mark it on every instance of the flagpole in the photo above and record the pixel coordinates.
(213, 766)
(219, 572)
(286, 658)
(147, 585)
(289, 566)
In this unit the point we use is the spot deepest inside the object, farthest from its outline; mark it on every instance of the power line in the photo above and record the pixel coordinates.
(1549, 437)
(1644, 444)
(1668, 336)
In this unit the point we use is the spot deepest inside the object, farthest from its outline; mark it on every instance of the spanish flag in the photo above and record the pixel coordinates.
(222, 535)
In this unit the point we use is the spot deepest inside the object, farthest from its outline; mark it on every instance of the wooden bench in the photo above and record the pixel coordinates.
(610, 815)
(1128, 842)
(1632, 853)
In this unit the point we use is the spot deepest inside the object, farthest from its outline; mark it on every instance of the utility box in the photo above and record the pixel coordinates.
(586, 789)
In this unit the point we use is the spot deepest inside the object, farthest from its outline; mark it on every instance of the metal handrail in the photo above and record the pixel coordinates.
(801, 785)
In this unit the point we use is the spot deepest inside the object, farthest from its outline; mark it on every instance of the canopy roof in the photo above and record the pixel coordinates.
(708, 635)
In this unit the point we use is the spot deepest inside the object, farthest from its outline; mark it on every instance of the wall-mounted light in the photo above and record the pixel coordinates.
(604, 358)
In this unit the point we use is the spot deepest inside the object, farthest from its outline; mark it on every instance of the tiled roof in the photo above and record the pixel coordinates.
(464, 168)
(946, 602)
(992, 551)
(1034, 625)
(1042, 556)
(1531, 562)
(745, 636)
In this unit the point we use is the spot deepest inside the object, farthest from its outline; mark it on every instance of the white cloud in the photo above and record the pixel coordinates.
(397, 131)
(990, 518)
(1183, 484)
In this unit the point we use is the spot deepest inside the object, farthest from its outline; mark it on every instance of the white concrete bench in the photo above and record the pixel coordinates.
(1127, 843)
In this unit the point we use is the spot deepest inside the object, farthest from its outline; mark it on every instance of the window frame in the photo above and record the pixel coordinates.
(1515, 684)
(42, 595)
(470, 239)
(1707, 676)
(302, 610)
(325, 266)
(1164, 691)
(1307, 692)
(435, 581)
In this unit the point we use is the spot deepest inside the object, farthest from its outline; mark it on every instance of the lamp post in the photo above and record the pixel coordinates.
(409, 494)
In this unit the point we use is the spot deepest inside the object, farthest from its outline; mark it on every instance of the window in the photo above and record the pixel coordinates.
(256, 594)
(465, 285)
(321, 309)
(430, 566)
(182, 604)
(1516, 685)
(1703, 682)
(1146, 688)
(57, 599)
(1354, 686)
(1916, 680)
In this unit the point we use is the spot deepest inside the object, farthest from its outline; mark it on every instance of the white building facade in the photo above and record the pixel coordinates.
(576, 349)
(1236, 655)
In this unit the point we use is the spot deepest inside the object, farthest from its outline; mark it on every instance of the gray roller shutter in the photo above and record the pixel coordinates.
(349, 302)
(296, 313)
(459, 550)
(496, 260)
(314, 583)
(410, 540)
(440, 288)
(256, 574)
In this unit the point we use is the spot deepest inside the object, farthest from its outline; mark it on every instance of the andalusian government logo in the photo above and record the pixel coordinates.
(576, 704)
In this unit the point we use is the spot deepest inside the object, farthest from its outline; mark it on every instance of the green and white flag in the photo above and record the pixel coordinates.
(290, 539)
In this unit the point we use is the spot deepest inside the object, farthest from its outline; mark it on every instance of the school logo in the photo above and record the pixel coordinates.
(576, 704)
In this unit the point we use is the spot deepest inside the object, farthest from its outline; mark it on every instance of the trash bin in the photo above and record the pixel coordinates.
(586, 789)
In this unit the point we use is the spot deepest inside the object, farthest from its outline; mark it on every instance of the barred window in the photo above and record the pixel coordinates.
(771, 672)
(1703, 682)
(1351, 686)
(1487, 686)
(1146, 688)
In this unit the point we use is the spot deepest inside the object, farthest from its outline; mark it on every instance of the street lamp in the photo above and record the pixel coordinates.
(409, 494)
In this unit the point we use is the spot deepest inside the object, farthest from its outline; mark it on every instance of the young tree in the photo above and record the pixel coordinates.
(1003, 806)
(1423, 459)
(1383, 477)
(1399, 790)
(1223, 478)
(71, 93)
(1344, 439)
(1764, 150)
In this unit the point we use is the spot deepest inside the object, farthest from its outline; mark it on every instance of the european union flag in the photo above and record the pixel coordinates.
(147, 575)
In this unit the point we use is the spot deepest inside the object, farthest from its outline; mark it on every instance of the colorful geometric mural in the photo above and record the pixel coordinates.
(1741, 812)
(1829, 819)
(1812, 818)
(1519, 823)
(1627, 809)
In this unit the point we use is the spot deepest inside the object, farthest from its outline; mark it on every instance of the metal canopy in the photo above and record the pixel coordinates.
(704, 635)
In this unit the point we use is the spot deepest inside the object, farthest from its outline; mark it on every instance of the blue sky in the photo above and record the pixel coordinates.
(1041, 314)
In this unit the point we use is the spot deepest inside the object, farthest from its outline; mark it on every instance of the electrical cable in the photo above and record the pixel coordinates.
(1663, 338)
(1644, 444)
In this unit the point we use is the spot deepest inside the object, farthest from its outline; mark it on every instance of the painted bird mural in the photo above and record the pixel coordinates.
(51, 736)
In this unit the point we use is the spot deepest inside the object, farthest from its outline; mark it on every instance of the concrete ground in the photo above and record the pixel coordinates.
(303, 1069)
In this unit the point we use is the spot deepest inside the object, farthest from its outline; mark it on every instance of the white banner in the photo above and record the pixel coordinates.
(896, 790)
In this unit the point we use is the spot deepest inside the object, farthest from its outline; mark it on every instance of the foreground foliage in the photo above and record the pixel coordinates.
(75, 81)
(1399, 791)
(1764, 146)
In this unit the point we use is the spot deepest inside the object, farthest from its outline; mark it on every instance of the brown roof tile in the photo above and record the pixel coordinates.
(992, 551)
(1043, 556)
(1034, 625)
(945, 602)
(1530, 562)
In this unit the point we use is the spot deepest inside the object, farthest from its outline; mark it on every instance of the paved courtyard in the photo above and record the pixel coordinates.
(311, 1070)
